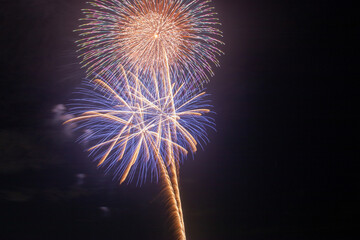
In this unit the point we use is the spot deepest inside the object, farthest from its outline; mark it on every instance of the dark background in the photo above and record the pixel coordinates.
(283, 163)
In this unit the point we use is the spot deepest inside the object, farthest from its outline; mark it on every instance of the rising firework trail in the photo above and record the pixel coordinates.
(140, 34)
(144, 129)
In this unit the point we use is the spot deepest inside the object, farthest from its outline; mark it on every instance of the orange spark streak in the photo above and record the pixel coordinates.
(132, 161)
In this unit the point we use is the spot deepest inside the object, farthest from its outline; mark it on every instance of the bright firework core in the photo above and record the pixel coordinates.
(148, 37)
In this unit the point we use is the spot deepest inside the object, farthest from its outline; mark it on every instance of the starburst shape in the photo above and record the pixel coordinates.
(138, 125)
(151, 35)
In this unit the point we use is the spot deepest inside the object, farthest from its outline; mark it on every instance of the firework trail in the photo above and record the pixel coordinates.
(143, 129)
(140, 34)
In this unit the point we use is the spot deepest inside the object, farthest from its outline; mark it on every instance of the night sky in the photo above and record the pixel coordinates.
(283, 163)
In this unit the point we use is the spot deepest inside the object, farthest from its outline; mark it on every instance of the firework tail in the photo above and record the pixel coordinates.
(171, 189)
(175, 184)
(172, 165)
(172, 194)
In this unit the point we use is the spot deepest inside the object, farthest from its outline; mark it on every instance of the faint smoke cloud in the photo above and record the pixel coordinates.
(60, 115)
(86, 137)
(105, 211)
(80, 177)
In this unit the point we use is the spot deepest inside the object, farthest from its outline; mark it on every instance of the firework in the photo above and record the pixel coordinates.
(135, 125)
(151, 35)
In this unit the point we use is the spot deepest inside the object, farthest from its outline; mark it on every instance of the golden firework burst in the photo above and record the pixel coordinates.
(147, 36)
